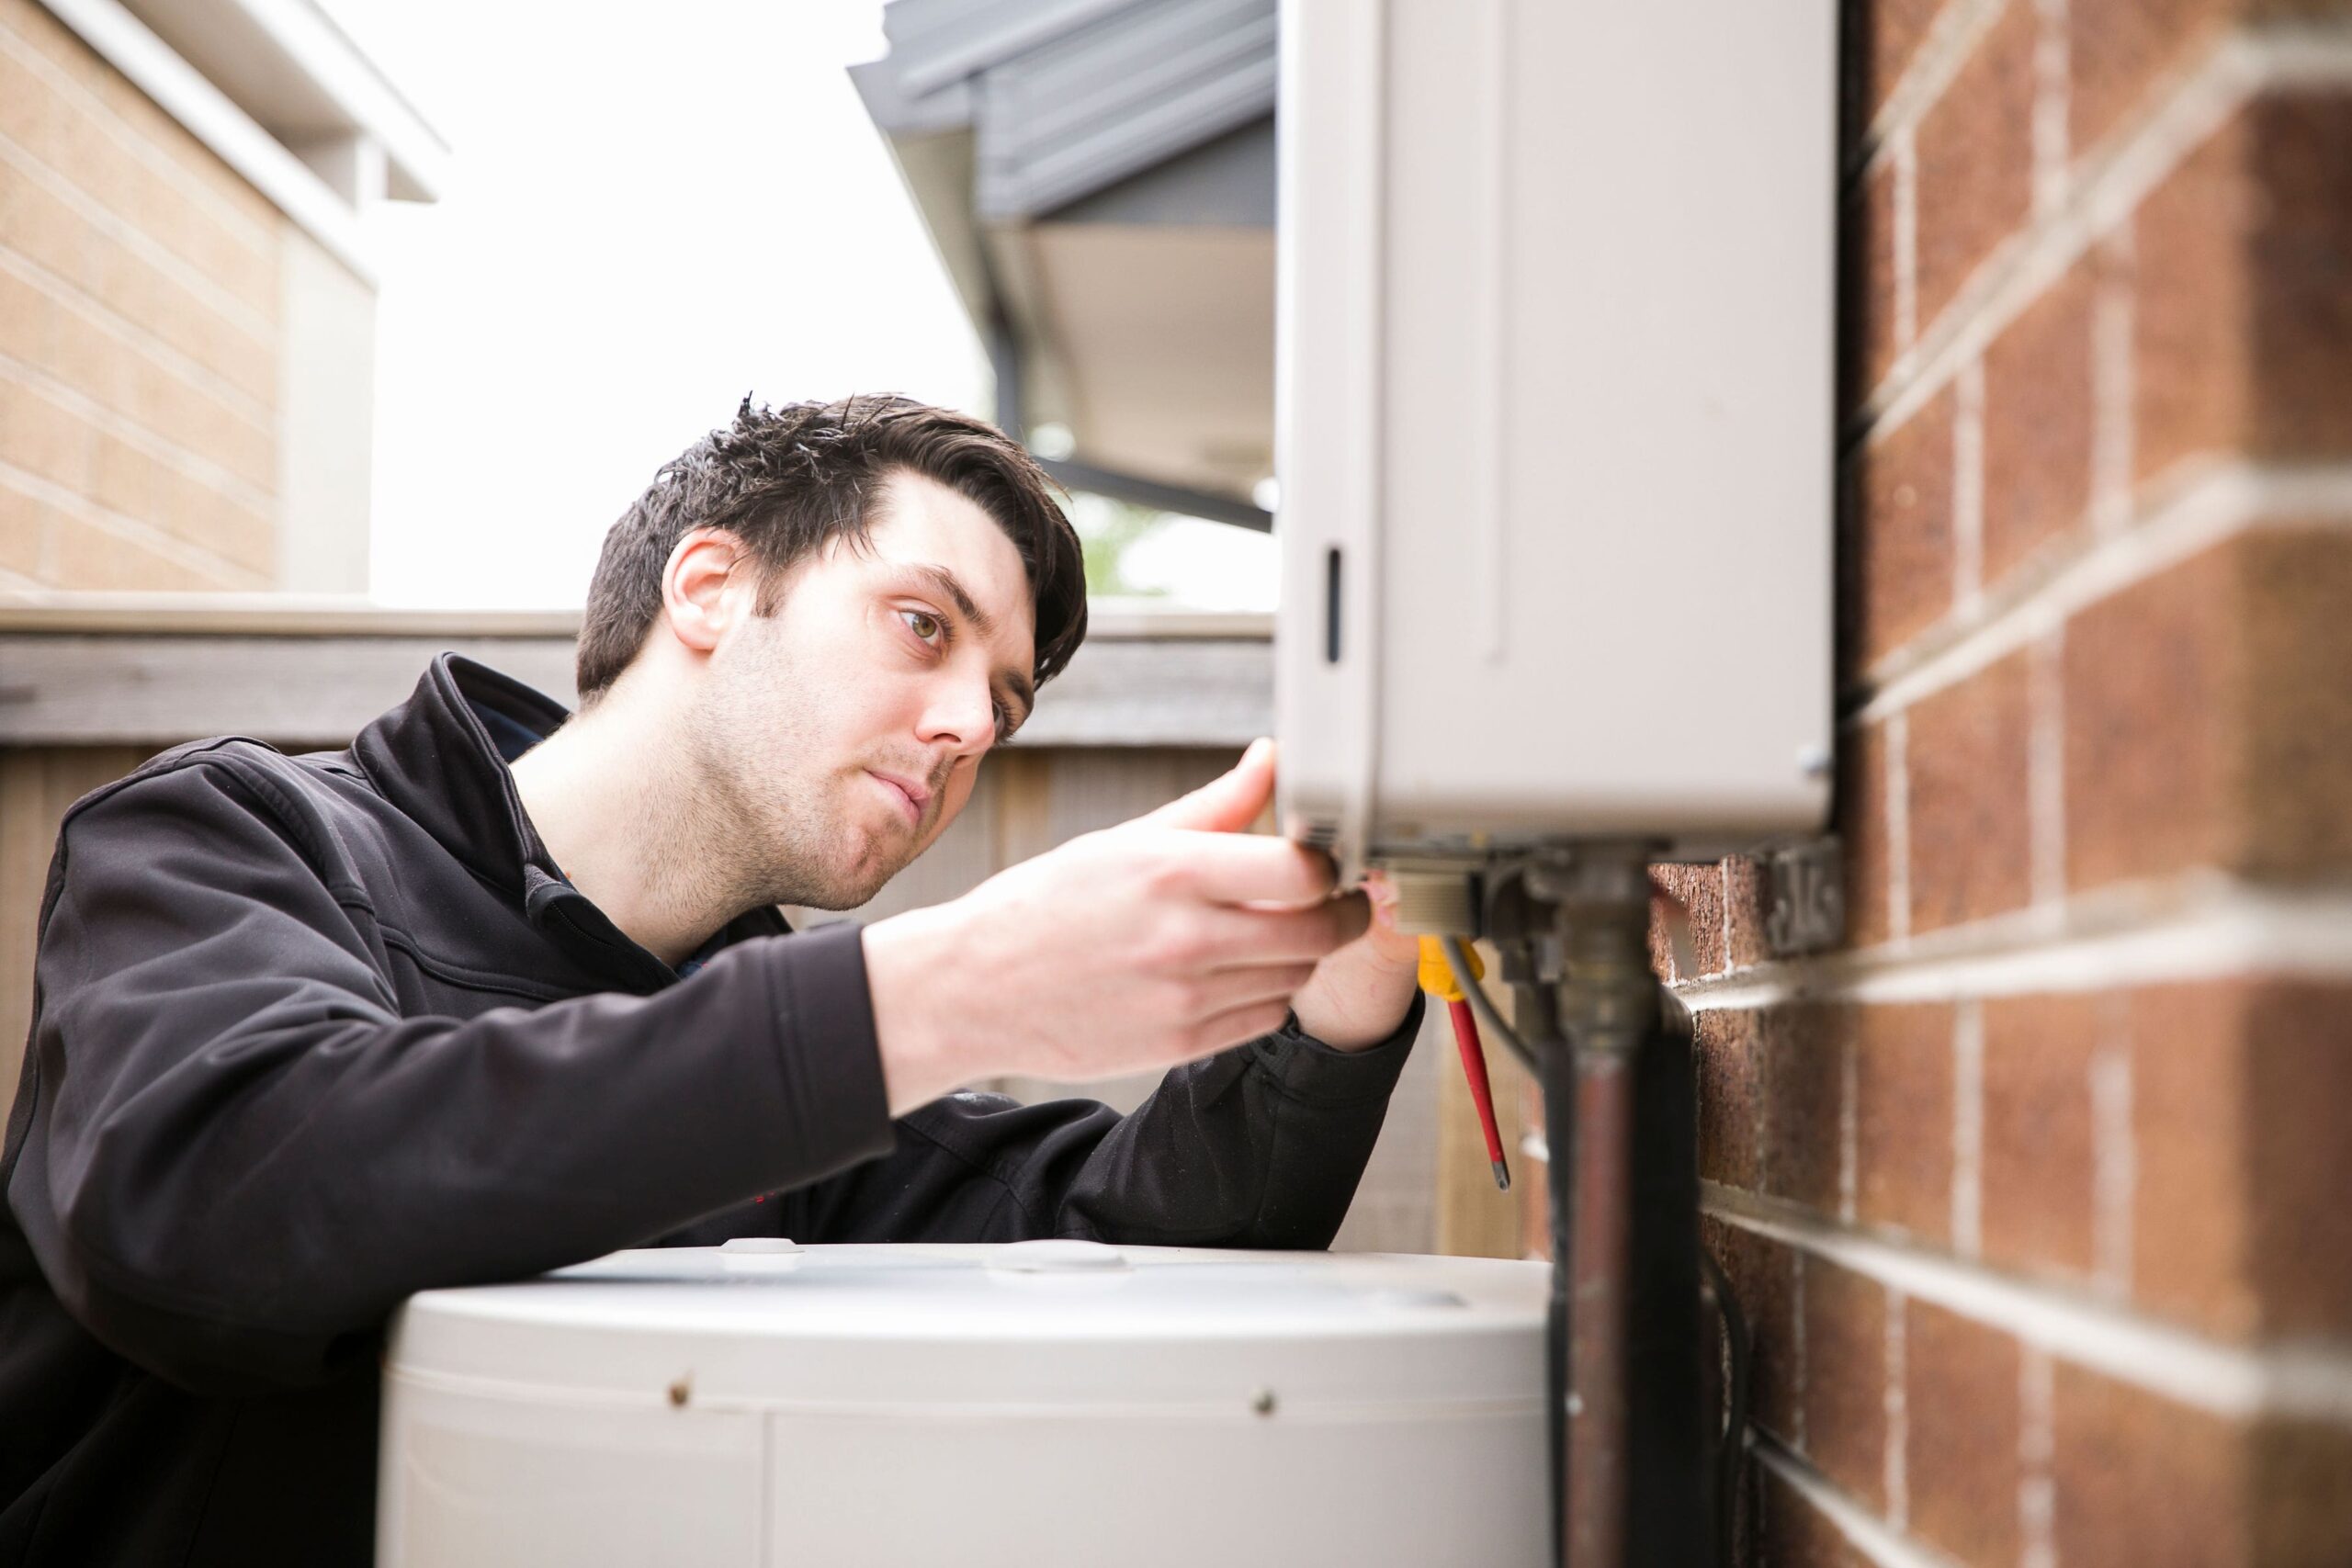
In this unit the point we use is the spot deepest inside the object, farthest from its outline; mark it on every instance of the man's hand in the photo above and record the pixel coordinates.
(1148, 945)
(1358, 995)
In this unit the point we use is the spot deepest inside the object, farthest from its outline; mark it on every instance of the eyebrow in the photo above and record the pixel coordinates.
(951, 587)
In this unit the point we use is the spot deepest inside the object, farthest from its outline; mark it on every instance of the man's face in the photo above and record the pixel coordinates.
(845, 729)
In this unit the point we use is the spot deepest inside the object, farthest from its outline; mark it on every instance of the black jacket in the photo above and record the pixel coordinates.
(313, 1034)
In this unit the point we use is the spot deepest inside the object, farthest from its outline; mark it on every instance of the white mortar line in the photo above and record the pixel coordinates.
(2114, 1166)
(2037, 1447)
(193, 466)
(68, 295)
(2046, 771)
(1968, 491)
(2050, 143)
(2103, 193)
(2107, 186)
(1894, 1456)
(153, 252)
(1968, 1128)
(1898, 826)
(196, 557)
(1945, 46)
(2114, 381)
(2307, 1382)
(134, 144)
(2218, 503)
(2196, 928)
(1869, 1536)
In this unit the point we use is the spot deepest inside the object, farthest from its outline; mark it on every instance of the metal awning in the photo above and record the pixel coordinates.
(1099, 178)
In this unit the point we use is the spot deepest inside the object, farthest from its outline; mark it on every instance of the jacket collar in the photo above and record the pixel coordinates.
(434, 760)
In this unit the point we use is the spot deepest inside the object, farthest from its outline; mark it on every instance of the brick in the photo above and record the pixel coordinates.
(1899, 538)
(1972, 853)
(1903, 1118)
(2208, 720)
(29, 107)
(1845, 1380)
(1744, 894)
(200, 423)
(1975, 160)
(91, 557)
(2038, 423)
(2037, 1168)
(1865, 834)
(1762, 1274)
(24, 524)
(2301, 1508)
(2116, 50)
(1699, 889)
(2238, 1223)
(43, 437)
(1800, 1058)
(37, 226)
(2298, 1039)
(2142, 1480)
(93, 360)
(2293, 584)
(2301, 254)
(1960, 1411)
(1731, 1101)
(1798, 1535)
(2243, 335)
(2191, 392)
(2189, 1211)
(2150, 686)
(24, 319)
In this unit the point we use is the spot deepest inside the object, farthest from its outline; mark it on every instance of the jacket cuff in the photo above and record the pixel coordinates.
(1310, 1070)
(832, 1063)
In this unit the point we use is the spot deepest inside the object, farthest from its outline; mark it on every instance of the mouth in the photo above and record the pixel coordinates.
(909, 797)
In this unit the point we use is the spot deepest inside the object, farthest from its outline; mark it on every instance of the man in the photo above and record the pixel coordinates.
(492, 992)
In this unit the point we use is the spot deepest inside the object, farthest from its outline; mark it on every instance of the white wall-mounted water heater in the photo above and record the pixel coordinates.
(1555, 424)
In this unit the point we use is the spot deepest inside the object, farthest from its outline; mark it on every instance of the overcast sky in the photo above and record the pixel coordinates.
(650, 210)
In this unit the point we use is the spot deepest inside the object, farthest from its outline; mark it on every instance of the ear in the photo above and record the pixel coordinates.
(696, 600)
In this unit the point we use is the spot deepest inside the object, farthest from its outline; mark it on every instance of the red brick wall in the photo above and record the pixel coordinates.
(2040, 1191)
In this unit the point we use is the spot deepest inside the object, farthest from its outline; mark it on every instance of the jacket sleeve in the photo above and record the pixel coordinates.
(239, 1158)
(1258, 1146)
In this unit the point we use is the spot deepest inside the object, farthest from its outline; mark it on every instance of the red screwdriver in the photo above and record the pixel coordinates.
(1439, 980)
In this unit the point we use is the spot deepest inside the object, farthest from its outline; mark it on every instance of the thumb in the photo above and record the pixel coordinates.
(1229, 802)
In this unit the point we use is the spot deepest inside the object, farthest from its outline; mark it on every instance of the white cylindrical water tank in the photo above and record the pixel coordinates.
(760, 1405)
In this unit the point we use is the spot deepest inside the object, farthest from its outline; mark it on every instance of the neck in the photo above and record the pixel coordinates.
(612, 797)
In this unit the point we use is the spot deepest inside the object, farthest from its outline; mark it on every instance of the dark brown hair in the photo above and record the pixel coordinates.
(787, 480)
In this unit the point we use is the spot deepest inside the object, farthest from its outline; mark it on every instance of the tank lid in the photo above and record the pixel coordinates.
(1057, 1323)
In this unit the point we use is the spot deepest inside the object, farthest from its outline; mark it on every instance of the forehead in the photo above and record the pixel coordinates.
(922, 523)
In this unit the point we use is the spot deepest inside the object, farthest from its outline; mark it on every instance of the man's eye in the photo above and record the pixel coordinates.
(922, 624)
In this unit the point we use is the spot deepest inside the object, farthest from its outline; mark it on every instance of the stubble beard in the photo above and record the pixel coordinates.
(769, 833)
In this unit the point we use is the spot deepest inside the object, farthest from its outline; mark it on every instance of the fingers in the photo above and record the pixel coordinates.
(1229, 802)
(1233, 868)
(1230, 988)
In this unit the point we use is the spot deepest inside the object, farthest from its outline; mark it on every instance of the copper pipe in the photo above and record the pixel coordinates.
(1603, 1234)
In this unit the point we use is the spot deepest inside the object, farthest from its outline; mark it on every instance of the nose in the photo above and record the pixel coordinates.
(959, 712)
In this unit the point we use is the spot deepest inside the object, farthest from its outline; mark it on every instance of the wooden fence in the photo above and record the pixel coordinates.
(1156, 704)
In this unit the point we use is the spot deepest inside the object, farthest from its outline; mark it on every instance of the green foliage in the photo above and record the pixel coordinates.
(1107, 528)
